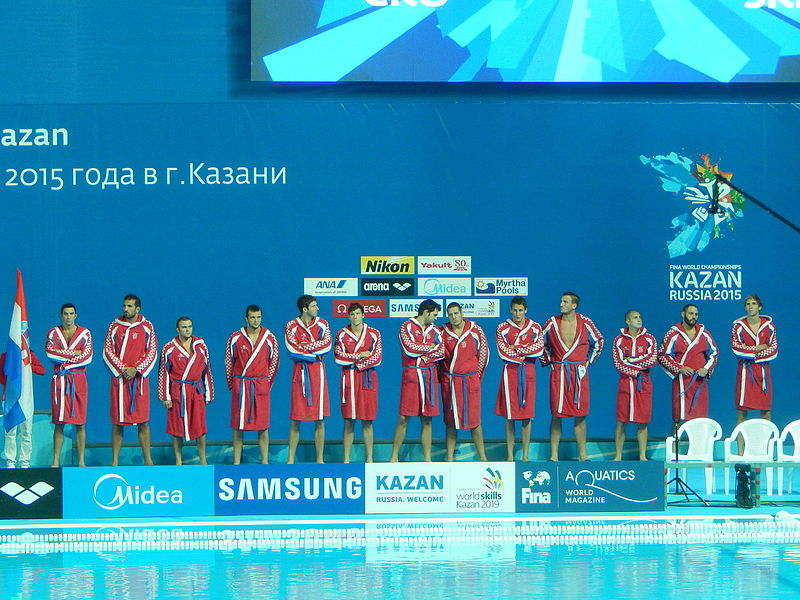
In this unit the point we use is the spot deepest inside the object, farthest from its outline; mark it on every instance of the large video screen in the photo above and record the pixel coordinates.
(725, 41)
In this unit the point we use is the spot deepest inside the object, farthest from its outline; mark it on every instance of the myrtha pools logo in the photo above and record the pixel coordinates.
(710, 205)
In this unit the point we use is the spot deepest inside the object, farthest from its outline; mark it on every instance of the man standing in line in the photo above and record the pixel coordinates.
(466, 354)
(519, 343)
(251, 362)
(421, 348)
(571, 344)
(130, 351)
(69, 346)
(359, 350)
(689, 354)
(308, 338)
(634, 352)
(185, 386)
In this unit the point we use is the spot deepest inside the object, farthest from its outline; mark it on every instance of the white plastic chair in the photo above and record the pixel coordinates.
(702, 433)
(791, 430)
(760, 437)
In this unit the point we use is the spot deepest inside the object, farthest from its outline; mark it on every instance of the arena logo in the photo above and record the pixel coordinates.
(429, 3)
(387, 286)
(772, 3)
(126, 494)
(25, 495)
(290, 488)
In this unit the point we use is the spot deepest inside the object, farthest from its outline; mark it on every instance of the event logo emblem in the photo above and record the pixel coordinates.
(710, 205)
(24, 495)
(494, 480)
(540, 478)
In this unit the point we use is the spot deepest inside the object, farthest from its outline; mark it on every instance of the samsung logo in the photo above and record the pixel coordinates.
(291, 488)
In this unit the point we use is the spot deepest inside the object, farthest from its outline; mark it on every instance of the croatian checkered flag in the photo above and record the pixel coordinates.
(17, 366)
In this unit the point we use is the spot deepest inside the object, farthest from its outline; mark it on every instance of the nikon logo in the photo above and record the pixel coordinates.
(385, 265)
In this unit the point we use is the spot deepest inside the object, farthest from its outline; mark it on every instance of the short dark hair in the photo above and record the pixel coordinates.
(251, 309)
(456, 305)
(178, 322)
(354, 306)
(72, 306)
(519, 301)
(304, 301)
(428, 305)
(575, 298)
(686, 307)
(136, 302)
(756, 298)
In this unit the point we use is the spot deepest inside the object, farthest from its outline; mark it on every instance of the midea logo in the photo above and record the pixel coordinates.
(769, 3)
(24, 495)
(431, 3)
(128, 494)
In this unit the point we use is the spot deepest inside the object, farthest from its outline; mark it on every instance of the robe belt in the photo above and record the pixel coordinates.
(640, 378)
(521, 383)
(465, 401)
(134, 389)
(694, 378)
(366, 376)
(198, 386)
(67, 385)
(573, 381)
(252, 394)
(428, 375)
(748, 364)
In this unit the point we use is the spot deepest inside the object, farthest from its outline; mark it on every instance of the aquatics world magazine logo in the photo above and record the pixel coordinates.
(710, 206)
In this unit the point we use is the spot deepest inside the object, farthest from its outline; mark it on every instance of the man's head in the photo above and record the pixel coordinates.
(519, 307)
(633, 319)
(252, 316)
(427, 312)
(690, 314)
(569, 303)
(307, 305)
(68, 314)
(455, 314)
(355, 312)
(753, 305)
(131, 305)
(184, 328)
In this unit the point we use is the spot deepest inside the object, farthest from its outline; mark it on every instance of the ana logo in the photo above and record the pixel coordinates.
(540, 478)
(124, 494)
(331, 286)
(27, 496)
(493, 480)
(771, 3)
(430, 3)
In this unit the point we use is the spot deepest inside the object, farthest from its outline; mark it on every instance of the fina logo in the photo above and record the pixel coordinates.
(769, 3)
(431, 3)
(127, 494)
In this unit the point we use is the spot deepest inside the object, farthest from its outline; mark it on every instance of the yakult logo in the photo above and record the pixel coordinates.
(769, 3)
(431, 3)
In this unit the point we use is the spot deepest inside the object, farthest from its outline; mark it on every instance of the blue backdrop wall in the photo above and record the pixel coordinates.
(558, 185)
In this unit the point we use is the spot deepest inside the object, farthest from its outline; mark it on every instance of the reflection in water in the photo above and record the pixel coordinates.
(412, 563)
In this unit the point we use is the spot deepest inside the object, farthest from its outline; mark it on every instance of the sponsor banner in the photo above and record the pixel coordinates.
(698, 282)
(477, 307)
(444, 286)
(372, 307)
(590, 486)
(387, 265)
(407, 487)
(482, 487)
(388, 286)
(611, 486)
(501, 286)
(332, 286)
(405, 308)
(30, 494)
(444, 265)
(164, 491)
(537, 487)
(289, 489)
